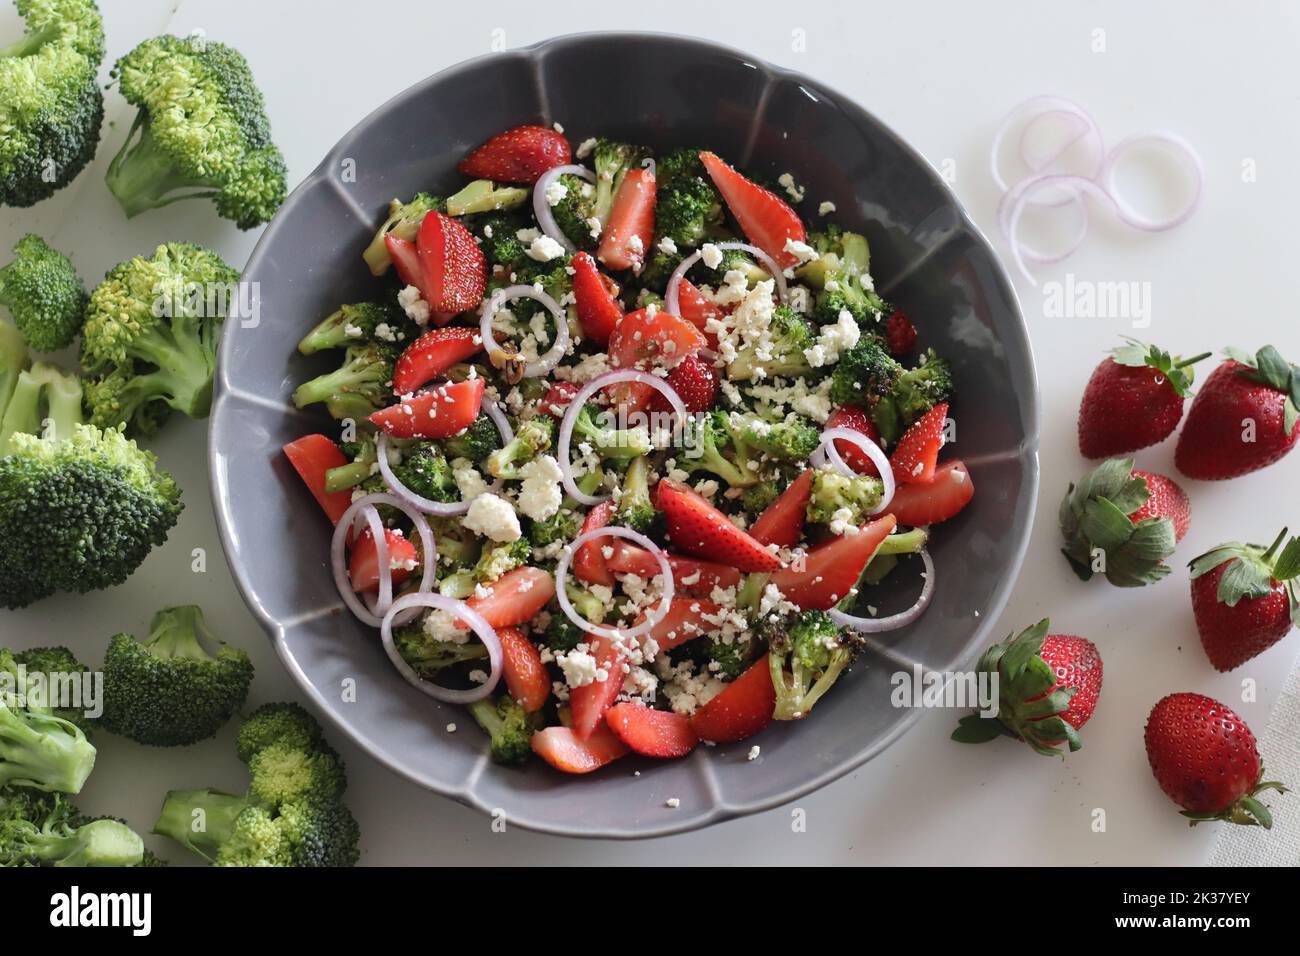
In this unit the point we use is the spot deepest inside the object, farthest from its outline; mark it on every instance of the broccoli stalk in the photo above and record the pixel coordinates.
(508, 724)
(531, 439)
(813, 652)
(492, 564)
(483, 195)
(350, 324)
(170, 689)
(13, 360)
(358, 388)
(44, 295)
(47, 830)
(45, 402)
(617, 444)
(403, 222)
(703, 450)
(635, 509)
(354, 472)
(788, 336)
(37, 748)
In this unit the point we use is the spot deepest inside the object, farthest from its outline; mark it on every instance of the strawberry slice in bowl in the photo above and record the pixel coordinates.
(647, 339)
(698, 528)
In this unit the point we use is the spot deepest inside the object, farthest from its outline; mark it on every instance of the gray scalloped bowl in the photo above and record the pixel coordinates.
(927, 257)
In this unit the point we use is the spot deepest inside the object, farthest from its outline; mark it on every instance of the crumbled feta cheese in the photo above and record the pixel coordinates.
(754, 751)
(636, 245)
(544, 249)
(833, 340)
(468, 480)
(441, 626)
(580, 668)
(593, 227)
(451, 728)
(672, 803)
(801, 251)
(826, 208)
(416, 309)
(385, 332)
(540, 495)
(558, 128)
(493, 517)
(667, 246)
(555, 192)
(585, 148)
(792, 189)
(711, 255)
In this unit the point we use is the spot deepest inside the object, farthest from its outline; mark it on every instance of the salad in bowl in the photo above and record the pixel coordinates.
(623, 448)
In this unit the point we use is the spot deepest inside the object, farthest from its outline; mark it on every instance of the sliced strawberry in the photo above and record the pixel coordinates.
(557, 398)
(438, 413)
(684, 621)
(645, 339)
(518, 155)
(918, 450)
(363, 563)
(589, 560)
(590, 701)
(926, 503)
(312, 456)
(406, 260)
(565, 750)
(765, 219)
(625, 240)
(697, 309)
(526, 676)
(595, 299)
(432, 354)
(900, 334)
(831, 570)
(698, 528)
(513, 599)
(781, 523)
(690, 576)
(850, 416)
(696, 384)
(650, 732)
(455, 269)
(741, 710)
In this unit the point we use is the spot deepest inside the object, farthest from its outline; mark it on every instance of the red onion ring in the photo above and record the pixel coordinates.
(1172, 143)
(580, 399)
(672, 297)
(542, 209)
(600, 630)
(485, 631)
(826, 451)
(500, 297)
(1038, 106)
(1025, 190)
(338, 545)
(875, 625)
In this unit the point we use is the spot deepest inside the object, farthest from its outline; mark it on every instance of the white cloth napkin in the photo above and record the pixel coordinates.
(1280, 748)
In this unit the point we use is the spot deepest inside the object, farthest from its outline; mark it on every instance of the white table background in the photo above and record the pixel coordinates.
(942, 75)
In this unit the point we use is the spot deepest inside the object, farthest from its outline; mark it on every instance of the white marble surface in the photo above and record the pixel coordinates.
(942, 75)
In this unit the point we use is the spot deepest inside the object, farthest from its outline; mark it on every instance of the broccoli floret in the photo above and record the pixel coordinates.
(425, 471)
(501, 244)
(790, 440)
(840, 273)
(429, 656)
(403, 222)
(635, 509)
(495, 561)
(355, 323)
(837, 497)
(703, 445)
(358, 388)
(146, 322)
(564, 525)
(737, 260)
(789, 334)
(611, 161)
(509, 725)
(44, 295)
(47, 830)
(201, 133)
(562, 634)
(475, 443)
(913, 394)
(37, 748)
(813, 651)
(864, 374)
(616, 444)
(756, 499)
(103, 504)
(531, 439)
(44, 402)
(687, 204)
(483, 195)
(356, 471)
(293, 813)
(456, 544)
(59, 665)
(51, 106)
(171, 689)
(573, 211)
(121, 397)
(721, 659)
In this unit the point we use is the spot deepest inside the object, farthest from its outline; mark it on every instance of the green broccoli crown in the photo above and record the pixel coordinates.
(789, 334)
(687, 208)
(203, 132)
(561, 526)
(320, 833)
(562, 634)
(355, 323)
(44, 402)
(286, 723)
(51, 107)
(282, 773)
(864, 373)
(429, 656)
(47, 830)
(611, 443)
(532, 438)
(501, 243)
(728, 661)
(123, 397)
(37, 748)
(756, 499)
(704, 444)
(501, 559)
(849, 499)
(403, 222)
(425, 471)
(53, 661)
(358, 388)
(574, 209)
(914, 393)
(612, 160)
(739, 261)
(866, 308)
(636, 510)
(44, 295)
(475, 443)
(170, 689)
(813, 651)
(104, 505)
(509, 726)
(160, 319)
(791, 440)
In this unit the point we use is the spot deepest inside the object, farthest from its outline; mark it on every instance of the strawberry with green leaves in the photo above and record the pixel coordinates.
(1047, 686)
(1245, 417)
(1123, 523)
(1205, 759)
(1134, 399)
(1245, 599)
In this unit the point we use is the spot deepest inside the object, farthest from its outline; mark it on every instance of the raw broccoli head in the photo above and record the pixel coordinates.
(285, 723)
(864, 374)
(44, 401)
(727, 661)
(44, 295)
(500, 559)
(425, 471)
(738, 260)
(656, 273)
(429, 656)
(358, 388)
(37, 748)
(51, 106)
(123, 398)
(840, 254)
(834, 495)
(156, 321)
(356, 323)
(913, 394)
(813, 651)
(612, 161)
(170, 689)
(47, 830)
(573, 211)
(201, 132)
(532, 438)
(104, 504)
(475, 443)
(841, 275)
(790, 440)
(57, 663)
(562, 634)
(403, 222)
(635, 508)
(282, 773)
(509, 725)
(789, 334)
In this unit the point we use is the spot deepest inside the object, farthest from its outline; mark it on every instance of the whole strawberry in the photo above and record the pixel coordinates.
(1244, 417)
(1123, 523)
(1205, 758)
(1134, 399)
(1047, 685)
(1245, 599)
(696, 384)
